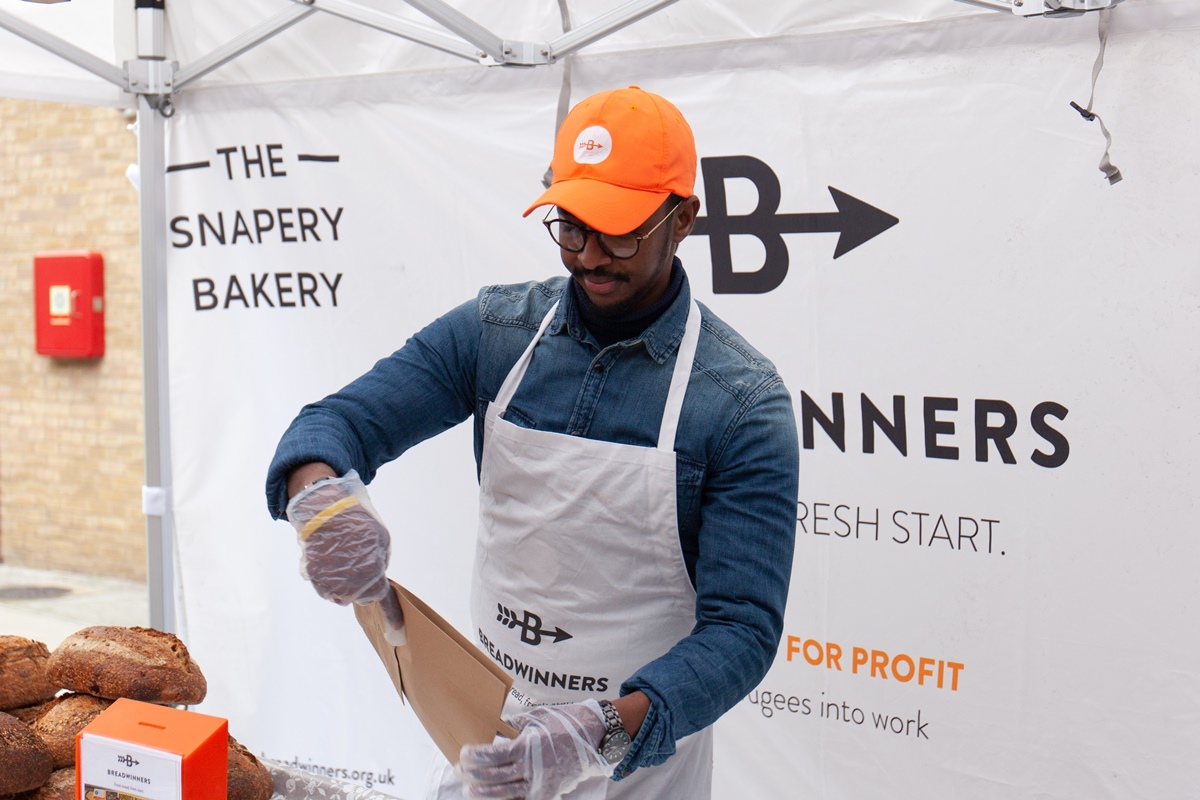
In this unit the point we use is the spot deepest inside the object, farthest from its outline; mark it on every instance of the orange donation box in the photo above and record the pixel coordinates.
(68, 303)
(143, 751)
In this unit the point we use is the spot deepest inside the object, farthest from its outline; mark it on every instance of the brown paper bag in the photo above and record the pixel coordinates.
(456, 691)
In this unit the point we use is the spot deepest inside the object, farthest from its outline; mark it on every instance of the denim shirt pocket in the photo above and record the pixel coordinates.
(519, 418)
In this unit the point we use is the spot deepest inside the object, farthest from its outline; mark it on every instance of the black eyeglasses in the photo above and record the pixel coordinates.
(572, 237)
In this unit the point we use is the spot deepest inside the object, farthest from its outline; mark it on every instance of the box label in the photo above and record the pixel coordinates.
(110, 769)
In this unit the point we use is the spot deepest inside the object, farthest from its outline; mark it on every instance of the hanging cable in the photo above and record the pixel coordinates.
(1106, 166)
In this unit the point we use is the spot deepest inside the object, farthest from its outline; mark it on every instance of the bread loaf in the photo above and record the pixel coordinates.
(23, 680)
(138, 663)
(62, 719)
(25, 761)
(61, 786)
(249, 778)
(28, 714)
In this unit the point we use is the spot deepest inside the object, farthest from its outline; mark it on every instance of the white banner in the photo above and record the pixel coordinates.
(996, 394)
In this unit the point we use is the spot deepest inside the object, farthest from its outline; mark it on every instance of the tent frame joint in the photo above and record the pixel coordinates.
(525, 54)
(151, 76)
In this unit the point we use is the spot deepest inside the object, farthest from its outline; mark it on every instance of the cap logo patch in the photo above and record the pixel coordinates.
(592, 145)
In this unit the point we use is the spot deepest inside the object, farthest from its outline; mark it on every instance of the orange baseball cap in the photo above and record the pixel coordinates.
(618, 155)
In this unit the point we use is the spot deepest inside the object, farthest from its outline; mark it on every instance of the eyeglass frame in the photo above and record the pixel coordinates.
(586, 231)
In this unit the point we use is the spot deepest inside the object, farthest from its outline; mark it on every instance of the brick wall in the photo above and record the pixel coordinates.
(71, 434)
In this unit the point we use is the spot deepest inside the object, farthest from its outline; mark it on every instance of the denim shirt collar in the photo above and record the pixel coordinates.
(660, 339)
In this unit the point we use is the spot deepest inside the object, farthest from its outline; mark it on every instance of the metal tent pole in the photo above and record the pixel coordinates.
(151, 73)
(160, 549)
(602, 26)
(63, 49)
(240, 44)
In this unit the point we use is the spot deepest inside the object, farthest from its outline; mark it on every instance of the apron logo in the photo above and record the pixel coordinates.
(530, 624)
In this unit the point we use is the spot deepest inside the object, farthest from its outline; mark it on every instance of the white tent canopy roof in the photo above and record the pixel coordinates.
(325, 45)
(31, 72)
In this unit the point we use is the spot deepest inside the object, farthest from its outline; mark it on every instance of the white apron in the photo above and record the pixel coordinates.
(579, 576)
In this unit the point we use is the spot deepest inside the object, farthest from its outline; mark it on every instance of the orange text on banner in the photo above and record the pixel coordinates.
(876, 663)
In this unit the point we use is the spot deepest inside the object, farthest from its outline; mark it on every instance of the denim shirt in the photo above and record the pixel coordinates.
(736, 447)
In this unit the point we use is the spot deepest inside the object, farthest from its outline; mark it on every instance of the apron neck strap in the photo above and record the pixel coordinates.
(684, 357)
(509, 387)
(673, 408)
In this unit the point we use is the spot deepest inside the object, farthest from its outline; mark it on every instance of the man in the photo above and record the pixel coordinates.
(638, 479)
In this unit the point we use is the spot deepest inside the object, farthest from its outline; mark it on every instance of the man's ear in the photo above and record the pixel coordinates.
(685, 218)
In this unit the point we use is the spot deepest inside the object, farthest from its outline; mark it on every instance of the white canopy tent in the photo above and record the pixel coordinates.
(108, 54)
(1055, 579)
(117, 55)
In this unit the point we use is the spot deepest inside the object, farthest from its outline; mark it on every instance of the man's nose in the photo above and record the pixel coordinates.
(592, 255)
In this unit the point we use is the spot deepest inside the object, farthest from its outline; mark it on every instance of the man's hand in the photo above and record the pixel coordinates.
(558, 748)
(344, 547)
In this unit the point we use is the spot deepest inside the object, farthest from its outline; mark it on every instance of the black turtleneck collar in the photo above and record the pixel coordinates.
(610, 330)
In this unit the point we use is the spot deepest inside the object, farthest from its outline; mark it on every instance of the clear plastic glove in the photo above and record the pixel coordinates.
(344, 547)
(558, 748)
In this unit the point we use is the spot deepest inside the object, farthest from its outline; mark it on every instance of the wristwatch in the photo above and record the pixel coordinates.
(321, 479)
(615, 742)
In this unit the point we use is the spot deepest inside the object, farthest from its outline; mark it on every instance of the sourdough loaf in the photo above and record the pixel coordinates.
(25, 761)
(62, 719)
(61, 786)
(138, 663)
(23, 680)
(249, 778)
(28, 714)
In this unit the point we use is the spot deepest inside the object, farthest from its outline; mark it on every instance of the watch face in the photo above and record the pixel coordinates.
(615, 746)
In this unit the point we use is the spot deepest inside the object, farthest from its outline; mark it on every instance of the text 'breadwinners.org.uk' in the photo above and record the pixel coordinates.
(367, 778)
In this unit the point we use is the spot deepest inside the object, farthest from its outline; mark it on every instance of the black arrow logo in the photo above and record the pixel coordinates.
(530, 623)
(855, 221)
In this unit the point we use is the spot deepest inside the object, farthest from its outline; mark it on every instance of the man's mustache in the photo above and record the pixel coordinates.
(581, 273)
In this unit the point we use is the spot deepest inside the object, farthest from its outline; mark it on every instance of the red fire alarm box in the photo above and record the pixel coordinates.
(68, 303)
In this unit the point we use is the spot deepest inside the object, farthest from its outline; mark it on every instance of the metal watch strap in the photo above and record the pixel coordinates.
(612, 718)
(615, 742)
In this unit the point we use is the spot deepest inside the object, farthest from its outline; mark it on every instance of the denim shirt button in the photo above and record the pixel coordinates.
(625, 773)
(598, 367)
